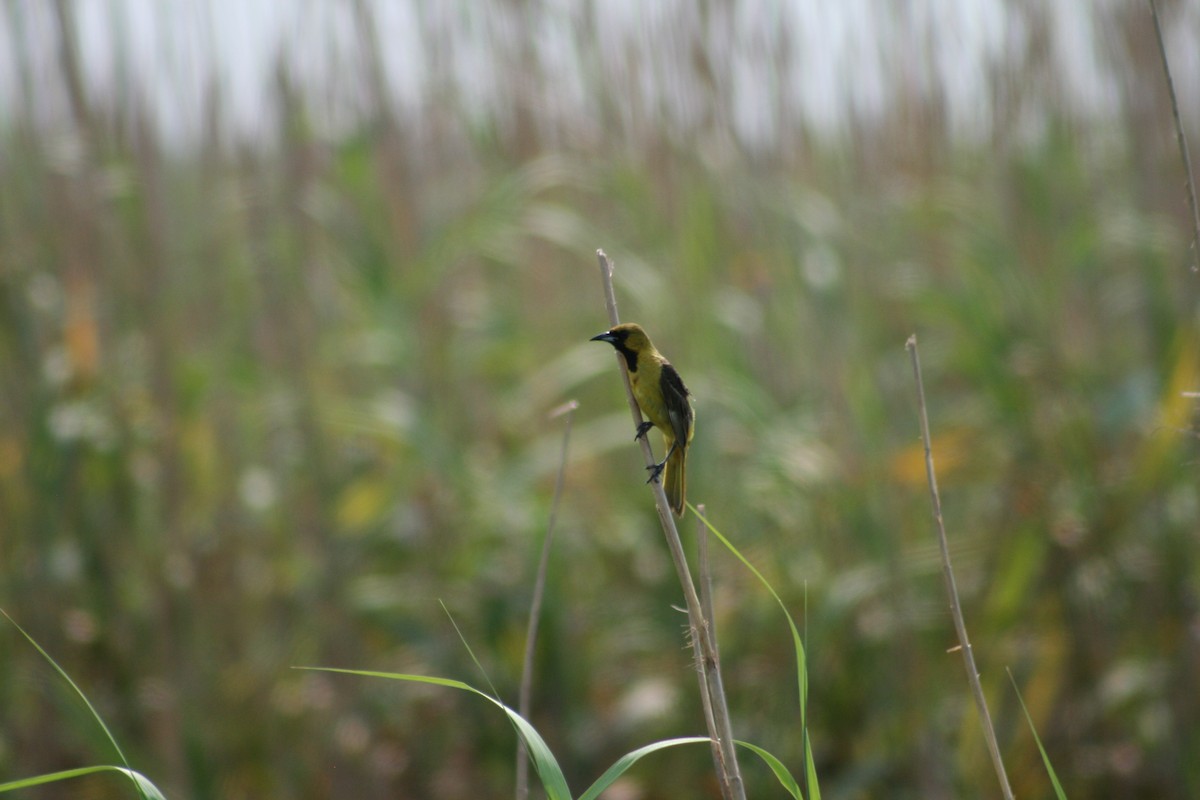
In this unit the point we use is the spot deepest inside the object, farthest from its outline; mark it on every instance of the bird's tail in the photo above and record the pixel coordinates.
(675, 479)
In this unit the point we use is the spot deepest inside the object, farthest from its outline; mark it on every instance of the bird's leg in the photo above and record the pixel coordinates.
(642, 429)
(656, 469)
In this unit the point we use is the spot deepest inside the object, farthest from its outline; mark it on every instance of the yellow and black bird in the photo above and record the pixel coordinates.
(663, 398)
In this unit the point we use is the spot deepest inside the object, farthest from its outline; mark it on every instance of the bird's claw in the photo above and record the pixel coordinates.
(643, 429)
(655, 471)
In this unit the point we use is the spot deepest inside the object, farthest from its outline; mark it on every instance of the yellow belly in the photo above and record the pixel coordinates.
(652, 407)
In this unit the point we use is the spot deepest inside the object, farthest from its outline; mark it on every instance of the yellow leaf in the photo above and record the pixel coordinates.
(949, 453)
(361, 503)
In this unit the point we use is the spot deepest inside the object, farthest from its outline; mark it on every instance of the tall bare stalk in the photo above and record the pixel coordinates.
(1183, 147)
(539, 592)
(702, 639)
(717, 714)
(960, 626)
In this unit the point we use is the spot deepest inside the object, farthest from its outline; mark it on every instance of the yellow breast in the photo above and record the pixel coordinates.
(651, 402)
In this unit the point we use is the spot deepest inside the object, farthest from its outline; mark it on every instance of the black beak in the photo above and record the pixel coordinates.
(607, 336)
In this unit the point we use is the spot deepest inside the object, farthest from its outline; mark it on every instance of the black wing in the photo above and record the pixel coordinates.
(675, 398)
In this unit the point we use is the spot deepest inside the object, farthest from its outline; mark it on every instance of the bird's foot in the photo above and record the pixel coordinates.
(643, 429)
(656, 470)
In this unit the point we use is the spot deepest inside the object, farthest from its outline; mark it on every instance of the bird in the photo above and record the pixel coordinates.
(664, 400)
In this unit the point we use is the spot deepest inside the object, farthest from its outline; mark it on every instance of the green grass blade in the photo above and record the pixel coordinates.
(470, 652)
(544, 763)
(810, 769)
(626, 761)
(781, 772)
(1058, 790)
(148, 789)
(95, 714)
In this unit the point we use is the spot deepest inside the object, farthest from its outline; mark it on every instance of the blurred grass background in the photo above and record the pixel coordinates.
(272, 390)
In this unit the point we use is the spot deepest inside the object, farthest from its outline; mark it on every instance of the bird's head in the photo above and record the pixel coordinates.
(628, 336)
(629, 339)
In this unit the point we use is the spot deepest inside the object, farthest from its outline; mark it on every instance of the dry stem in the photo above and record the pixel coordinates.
(535, 607)
(960, 626)
(1183, 147)
(711, 691)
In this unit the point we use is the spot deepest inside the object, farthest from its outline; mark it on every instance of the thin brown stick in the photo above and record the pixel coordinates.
(723, 749)
(711, 690)
(960, 626)
(1180, 138)
(710, 719)
(539, 591)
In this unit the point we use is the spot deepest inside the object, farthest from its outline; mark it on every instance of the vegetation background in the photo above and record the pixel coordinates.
(275, 378)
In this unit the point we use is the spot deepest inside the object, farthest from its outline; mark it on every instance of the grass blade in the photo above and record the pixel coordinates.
(553, 780)
(810, 769)
(781, 772)
(629, 759)
(148, 789)
(139, 782)
(1058, 790)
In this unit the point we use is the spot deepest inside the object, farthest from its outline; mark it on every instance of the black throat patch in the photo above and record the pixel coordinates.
(631, 359)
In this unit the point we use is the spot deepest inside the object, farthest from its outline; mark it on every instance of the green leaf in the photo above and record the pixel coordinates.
(629, 759)
(544, 763)
(1058, 790)
(138, 781)
(148, 789)
(810, 768)
(781, 772)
